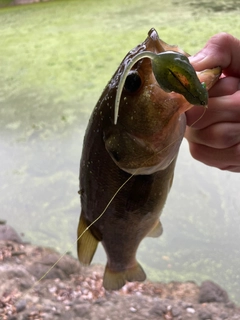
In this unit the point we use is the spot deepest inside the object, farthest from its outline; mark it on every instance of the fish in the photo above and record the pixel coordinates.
(129, 154)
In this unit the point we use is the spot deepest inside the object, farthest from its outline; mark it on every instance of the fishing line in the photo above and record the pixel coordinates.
(118, 96)
(107, 206)
(204, 111)
(145, 54)
(85, 230)
(103, 212)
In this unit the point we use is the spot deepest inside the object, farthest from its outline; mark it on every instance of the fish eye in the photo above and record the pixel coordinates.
(133, 82)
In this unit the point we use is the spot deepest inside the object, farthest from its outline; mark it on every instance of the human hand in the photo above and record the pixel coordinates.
(215, 138)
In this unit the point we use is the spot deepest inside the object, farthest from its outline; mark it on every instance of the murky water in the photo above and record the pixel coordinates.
(55, 61)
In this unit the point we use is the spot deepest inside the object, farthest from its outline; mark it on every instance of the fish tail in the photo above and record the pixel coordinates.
(113, 280)
(86, 243)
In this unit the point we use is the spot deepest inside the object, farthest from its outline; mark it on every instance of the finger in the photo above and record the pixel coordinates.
(225, 86)
(220, 135)
(232, 168)
(221, 50)
(220, 109)
(228, 159)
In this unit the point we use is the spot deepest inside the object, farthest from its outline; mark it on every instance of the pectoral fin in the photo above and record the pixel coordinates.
(156, 231)
(86, 244)
(116, 280)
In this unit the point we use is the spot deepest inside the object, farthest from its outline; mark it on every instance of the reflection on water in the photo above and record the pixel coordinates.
(41, 135)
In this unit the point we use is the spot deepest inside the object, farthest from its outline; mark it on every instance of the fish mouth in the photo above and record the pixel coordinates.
(183, 74)
(173, 73)
(153, 42)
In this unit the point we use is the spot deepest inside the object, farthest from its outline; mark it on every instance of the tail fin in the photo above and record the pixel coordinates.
(86, 244)
(116, 280)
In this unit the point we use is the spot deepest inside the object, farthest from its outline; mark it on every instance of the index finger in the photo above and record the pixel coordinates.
(222, 50)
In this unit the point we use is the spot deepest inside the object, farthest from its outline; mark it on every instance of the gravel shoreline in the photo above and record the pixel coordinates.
(70, 291)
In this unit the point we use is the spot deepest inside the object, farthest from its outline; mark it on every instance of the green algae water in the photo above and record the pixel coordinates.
(55, 59)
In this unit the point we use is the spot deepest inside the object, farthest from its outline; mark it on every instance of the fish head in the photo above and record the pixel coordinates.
(143, 104)
(152, 96)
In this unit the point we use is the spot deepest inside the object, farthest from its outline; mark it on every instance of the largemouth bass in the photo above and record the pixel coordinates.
(129, 154)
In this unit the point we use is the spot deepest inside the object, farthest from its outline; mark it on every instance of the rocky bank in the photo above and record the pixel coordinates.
(69, 291)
